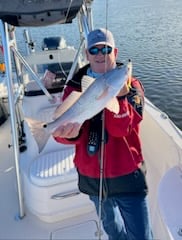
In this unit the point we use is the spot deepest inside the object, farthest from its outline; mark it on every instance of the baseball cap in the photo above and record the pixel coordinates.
(100, 36)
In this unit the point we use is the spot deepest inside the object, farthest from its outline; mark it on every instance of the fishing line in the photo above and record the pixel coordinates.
(106, 27)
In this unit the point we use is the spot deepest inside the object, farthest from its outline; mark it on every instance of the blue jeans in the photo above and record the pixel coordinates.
(125, 217)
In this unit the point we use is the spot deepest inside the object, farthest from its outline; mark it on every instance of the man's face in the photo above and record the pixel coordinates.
(102, 58)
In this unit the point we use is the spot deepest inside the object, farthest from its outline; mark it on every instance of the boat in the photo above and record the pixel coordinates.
(39, 194)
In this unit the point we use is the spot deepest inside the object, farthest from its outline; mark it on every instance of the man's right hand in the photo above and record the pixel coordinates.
(70, 130)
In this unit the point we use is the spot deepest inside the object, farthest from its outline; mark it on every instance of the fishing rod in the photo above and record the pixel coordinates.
(102, 186)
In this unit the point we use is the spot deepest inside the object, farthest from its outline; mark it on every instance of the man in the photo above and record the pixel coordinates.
(124, 190)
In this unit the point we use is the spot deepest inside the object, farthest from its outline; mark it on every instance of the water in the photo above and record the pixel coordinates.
(150, 34)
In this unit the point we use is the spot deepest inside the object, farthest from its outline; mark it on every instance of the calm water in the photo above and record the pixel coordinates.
(148, 32)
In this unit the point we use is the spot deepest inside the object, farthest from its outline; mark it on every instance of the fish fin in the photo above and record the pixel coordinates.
(113, 106)
(86, 82)
(39, 132)
(103, 94)
(66, 104)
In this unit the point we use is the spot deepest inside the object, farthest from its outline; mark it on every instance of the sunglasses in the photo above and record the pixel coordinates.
(104, 50)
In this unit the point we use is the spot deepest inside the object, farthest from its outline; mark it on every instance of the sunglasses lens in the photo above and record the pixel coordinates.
(105, 50)
(93, 51)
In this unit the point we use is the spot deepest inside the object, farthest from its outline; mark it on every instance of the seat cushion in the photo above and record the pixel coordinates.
(54, 168)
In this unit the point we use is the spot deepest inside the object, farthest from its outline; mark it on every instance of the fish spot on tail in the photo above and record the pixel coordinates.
(39, 132)
(41, 137)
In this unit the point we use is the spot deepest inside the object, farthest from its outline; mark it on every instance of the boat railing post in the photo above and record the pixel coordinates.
(75, 61)
(30, 70)
(89, 15)
(30, 45)
(10, 89)
(84, 22)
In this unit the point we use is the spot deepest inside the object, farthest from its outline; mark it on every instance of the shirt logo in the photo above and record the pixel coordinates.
(121, 115)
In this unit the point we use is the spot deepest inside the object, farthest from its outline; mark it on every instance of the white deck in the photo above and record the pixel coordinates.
(30, 227)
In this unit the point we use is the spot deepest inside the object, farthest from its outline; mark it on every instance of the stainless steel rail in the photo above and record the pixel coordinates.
(11, 101)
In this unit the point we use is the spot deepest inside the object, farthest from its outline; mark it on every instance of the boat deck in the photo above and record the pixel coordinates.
(31, 227)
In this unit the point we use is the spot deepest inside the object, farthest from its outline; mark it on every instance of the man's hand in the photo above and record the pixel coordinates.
(71, 130)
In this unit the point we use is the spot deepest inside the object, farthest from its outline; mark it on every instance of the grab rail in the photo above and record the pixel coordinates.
(59, 196)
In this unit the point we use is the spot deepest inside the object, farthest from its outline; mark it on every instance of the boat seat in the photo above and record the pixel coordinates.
(51, 187)
(53, 168)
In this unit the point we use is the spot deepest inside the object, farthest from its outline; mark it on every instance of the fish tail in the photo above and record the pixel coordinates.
(39, 132)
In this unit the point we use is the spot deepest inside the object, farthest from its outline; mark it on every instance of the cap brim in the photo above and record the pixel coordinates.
(100, 43)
